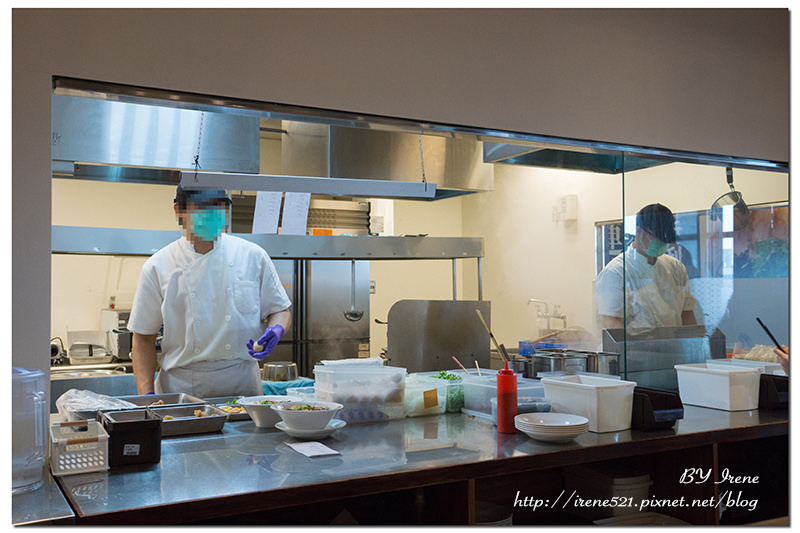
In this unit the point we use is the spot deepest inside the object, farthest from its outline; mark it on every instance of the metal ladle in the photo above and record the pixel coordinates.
(741, 213)
(353, 314)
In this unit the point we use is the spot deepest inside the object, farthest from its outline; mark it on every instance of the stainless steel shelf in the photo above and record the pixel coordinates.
(118, 241)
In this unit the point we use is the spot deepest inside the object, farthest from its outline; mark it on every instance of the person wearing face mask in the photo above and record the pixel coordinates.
(647, 288)
(213, 293)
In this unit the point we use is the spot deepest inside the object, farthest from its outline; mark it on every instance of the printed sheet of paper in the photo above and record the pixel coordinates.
(312, 449)
(267, 211)
(295, 213)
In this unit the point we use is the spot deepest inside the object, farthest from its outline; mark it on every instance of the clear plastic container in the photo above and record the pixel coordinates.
(306, 393)
(479, 391)
(425, 396)
(455, 389)
(368, 394)
(29, 428)
(525, 404)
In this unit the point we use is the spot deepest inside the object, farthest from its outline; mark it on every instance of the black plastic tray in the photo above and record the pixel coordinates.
(655, 408)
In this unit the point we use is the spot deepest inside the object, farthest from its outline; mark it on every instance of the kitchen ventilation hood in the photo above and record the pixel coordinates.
(117, 141)
(453, 163)
(585, 158)
(109, 140)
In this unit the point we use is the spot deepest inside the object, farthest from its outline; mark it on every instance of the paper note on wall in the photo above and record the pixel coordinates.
(295, 213)
(267, 211)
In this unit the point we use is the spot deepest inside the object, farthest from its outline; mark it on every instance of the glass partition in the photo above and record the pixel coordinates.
(685, 295)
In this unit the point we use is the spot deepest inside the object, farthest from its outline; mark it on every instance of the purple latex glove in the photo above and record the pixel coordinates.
(266, 343)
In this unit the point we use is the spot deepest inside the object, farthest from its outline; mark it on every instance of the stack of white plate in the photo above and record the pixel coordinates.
(551, 427)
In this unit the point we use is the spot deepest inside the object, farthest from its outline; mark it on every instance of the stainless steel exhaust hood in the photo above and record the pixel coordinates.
(118, 141)
(453, 163)
(109, 140)
(586, 158)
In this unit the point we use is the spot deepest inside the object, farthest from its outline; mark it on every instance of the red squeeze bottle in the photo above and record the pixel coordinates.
(506, 400)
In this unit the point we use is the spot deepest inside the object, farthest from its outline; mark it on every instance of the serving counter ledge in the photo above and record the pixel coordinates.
(429, 470)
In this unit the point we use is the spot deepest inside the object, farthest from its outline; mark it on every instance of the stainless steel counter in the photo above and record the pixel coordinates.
(43, 506)
(243, 460)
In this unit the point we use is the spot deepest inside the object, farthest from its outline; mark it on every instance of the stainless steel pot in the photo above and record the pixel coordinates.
(554, 361)
(279, 371)
(604, 363)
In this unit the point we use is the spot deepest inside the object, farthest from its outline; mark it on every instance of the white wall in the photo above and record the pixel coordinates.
(528, 255)
(610, 75)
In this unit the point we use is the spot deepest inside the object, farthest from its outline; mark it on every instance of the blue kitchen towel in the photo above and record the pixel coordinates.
(279, 387)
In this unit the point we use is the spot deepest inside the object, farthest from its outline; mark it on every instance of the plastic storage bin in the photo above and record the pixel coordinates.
(425, 396)
(767, 368)
(368, 393)
(607, 403)
(306, 393)
(603, 482)
(734, 389)
(78, 447)
(479, 391)
(134, 436)
(525, 404)
(455, 388)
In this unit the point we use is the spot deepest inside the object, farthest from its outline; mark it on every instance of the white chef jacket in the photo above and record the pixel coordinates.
(656, 295)
(210, 304)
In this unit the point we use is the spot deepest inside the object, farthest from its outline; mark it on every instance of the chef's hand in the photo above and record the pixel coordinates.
(266, 343)
(783, 358)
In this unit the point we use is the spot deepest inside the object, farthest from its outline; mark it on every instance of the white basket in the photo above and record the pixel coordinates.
(78, 447)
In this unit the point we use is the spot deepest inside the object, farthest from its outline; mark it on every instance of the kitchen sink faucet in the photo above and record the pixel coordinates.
(557, 314)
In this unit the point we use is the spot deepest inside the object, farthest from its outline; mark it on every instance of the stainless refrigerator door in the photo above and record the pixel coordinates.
(285, 269)
(328, 294)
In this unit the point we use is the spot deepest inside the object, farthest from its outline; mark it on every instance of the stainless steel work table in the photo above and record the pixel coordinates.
(45, 505)
(244, 470)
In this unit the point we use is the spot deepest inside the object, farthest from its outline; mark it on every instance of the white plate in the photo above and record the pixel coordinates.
(550, 438)
(551, 419)
(577, 431)
(332, 426)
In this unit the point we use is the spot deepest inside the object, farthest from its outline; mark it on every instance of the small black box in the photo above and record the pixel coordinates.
(773, 392)
(655, 408)
(133, 436)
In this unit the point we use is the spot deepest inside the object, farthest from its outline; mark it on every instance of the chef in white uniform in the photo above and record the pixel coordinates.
(649, 288)
(212, 292)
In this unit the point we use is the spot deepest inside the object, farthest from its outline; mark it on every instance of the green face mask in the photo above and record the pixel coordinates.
(656, 248)
(208, 223)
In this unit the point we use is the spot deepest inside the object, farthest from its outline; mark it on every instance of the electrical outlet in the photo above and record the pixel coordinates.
(371, 286)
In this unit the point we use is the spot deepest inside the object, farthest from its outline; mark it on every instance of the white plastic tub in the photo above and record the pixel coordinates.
(766, 368)
(729, 389)
(607, 403)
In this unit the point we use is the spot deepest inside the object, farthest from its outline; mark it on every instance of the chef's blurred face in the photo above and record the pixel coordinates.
(650, 245)
(204, 221)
